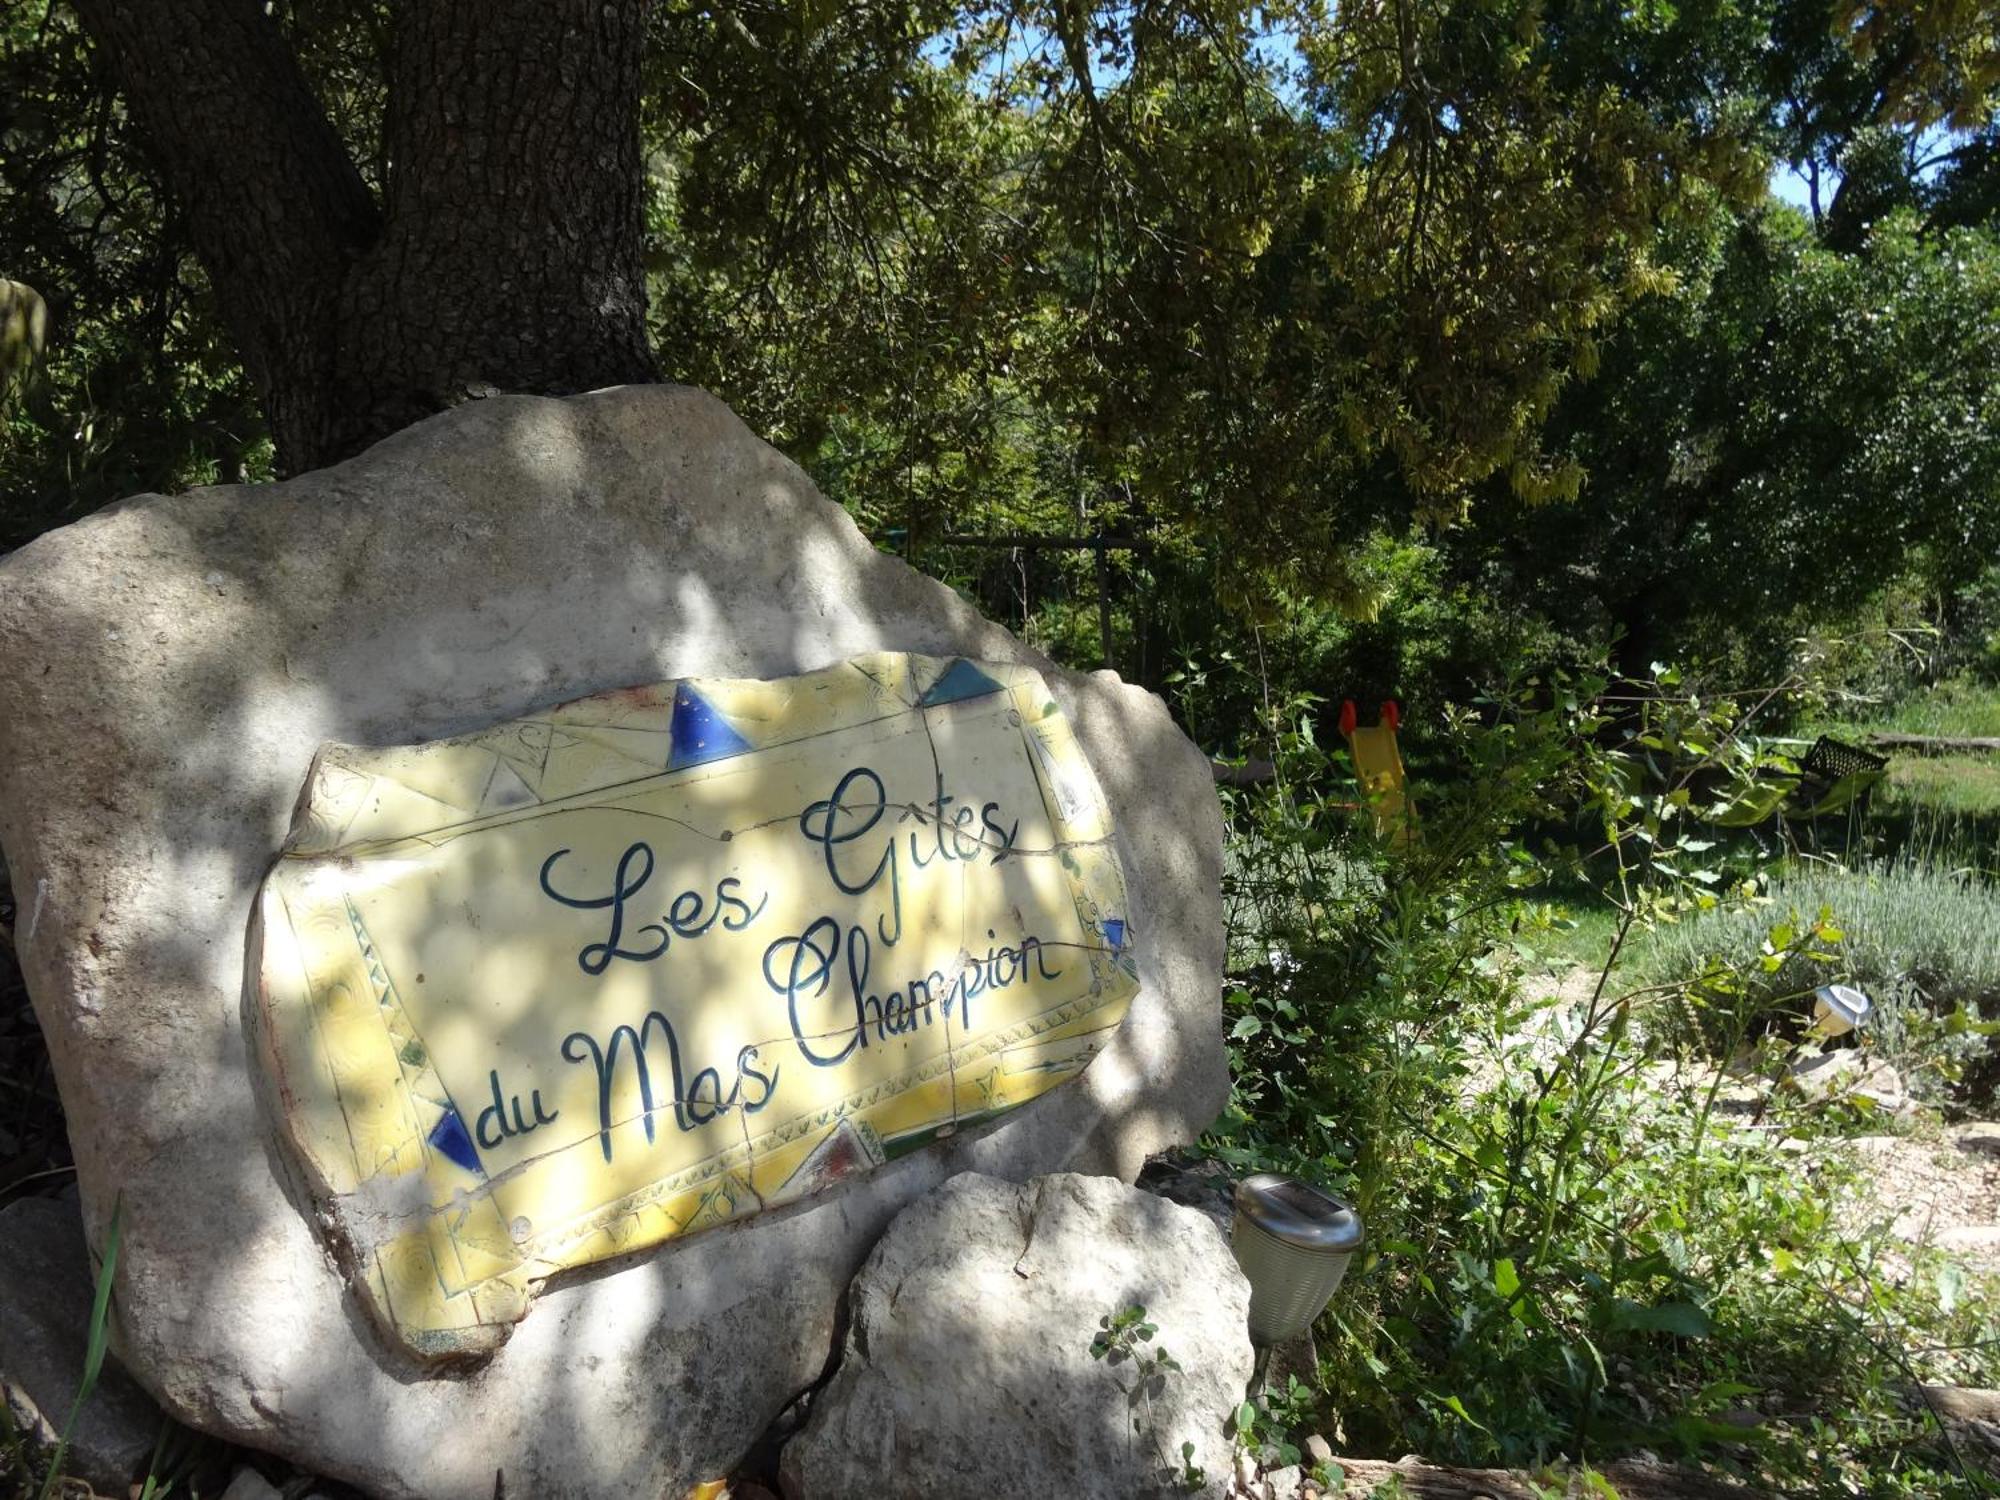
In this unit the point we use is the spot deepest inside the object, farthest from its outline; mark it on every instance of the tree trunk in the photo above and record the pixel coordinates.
(508, 255)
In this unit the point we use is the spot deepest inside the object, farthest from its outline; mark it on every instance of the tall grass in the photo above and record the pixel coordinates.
(1922, 940)
(1958, 707)
(1909, 929)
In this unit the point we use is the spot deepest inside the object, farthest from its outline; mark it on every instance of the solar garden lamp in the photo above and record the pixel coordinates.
(1293, 1242)
(1839, 1009)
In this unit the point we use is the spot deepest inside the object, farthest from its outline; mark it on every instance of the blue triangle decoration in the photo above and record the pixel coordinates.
(700, 734)
(961, 680)
(1114, 932)
(450, 1138)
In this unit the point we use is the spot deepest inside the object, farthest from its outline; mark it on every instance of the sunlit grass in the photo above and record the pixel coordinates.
(1572, 933)
(1964, 784)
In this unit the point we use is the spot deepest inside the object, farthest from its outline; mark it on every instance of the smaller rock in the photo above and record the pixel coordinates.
(1246, 1469)
(1982, 1137)
(1848, 1073)
(1286, 1482)
(1319, 1450)
(248, 1484)
(1202, 1185)
(1961, 1403)
(968, 1350)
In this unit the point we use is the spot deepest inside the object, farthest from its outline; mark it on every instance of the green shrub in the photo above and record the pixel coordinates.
(1570, 1252)
(1922, 941)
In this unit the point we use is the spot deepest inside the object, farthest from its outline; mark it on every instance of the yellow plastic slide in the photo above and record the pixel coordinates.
(1378, 765)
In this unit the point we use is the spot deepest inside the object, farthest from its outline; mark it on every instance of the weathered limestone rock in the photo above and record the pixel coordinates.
(967, 1370)
(46, 1289)
(172, 666)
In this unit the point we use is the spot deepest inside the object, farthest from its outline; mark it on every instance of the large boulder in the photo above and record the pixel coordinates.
(968, 1368)
(172, 666)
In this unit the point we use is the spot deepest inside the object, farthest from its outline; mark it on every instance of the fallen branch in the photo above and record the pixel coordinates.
(1435, 1482)
(1933, 744)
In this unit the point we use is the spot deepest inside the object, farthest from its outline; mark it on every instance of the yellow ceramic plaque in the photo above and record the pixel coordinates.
(566, 988)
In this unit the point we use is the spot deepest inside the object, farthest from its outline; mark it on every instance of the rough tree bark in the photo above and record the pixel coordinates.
(506, 255)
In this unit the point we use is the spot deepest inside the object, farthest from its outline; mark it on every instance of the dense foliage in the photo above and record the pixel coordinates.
(1255, 287)
(1600, 1220)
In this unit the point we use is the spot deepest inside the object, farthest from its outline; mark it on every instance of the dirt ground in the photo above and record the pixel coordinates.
(1933, 1189)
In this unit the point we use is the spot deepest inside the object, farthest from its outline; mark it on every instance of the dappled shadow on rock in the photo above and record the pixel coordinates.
(174, 665)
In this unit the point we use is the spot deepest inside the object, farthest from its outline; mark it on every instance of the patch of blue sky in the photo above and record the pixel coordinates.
(1789, 185)
(1275, 52)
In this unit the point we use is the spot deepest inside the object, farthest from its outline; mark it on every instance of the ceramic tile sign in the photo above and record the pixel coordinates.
(656, 959)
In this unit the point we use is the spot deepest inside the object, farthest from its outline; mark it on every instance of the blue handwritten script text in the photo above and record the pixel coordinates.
(834, 1004)
(687, 916)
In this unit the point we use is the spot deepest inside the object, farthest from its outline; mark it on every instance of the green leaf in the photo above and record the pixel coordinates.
(96, 1342)
(1681, 1318)
(1458, 1407)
